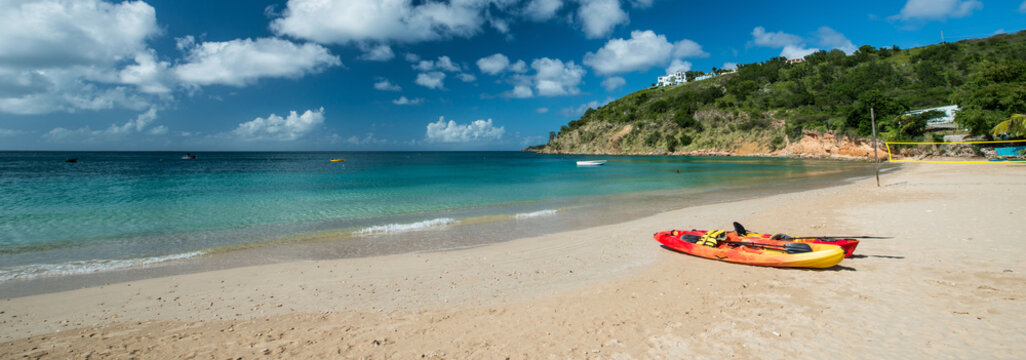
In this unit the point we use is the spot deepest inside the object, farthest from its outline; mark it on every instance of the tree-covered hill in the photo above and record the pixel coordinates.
(762, 106)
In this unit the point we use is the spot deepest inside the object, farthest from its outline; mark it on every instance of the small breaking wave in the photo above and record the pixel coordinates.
(547, 212)
(32, 271)
(397, 228)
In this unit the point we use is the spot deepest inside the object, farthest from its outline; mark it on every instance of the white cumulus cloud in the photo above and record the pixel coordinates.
(137, 125)
(642, 3)
(688, 49)
(466, 77)
(402, 100)
(367, 139)
(66, 32)
(522, 91)
(243, 61)
(832, 39)
(424, 65)
(613, 83)
(114, 132)
(937, 9)
(493, 64)
(518, 67)
(148, 74)
(774, 39)
(380, 52)
(541, 10)
(452, 132)
(794, 51)
(792, 46)
(575, 111)
(64, 55)
(599, 17)
(405, 21)
(339, 22)
(68, 93)
(642, 51)
(444, 63)
(555, 78)
(385, 85)
(678, 66)
(551, 77)
(11, 132)
(431, 80)
(158, 130)
(276, 128)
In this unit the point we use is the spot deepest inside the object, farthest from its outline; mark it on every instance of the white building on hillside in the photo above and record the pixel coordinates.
(679, 77)
(945, 121)
(676, 78)
(706, 76)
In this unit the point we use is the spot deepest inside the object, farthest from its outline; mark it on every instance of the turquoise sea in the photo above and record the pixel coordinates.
(120, 210)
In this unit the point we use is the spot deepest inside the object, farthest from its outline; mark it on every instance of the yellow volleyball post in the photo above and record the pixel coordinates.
(876, 159)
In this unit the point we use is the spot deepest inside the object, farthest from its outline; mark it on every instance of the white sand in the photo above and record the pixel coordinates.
(949, 284)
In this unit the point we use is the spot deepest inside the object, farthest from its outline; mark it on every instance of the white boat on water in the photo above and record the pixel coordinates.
(591, 163)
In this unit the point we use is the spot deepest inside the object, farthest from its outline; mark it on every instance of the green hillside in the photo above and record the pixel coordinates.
(762, 106)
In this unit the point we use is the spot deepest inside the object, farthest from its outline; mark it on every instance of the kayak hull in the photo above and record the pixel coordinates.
(848, 245)
(822, 256)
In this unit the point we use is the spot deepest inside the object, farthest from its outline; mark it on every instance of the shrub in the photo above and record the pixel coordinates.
(685, 120)
(684, 140)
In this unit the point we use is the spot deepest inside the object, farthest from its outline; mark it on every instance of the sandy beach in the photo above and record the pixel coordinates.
(949, 283)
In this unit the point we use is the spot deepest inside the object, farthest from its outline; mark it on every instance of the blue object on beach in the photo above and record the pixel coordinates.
(1010, 150)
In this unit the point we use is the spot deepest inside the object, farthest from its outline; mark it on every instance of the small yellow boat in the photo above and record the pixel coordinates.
(337, 160)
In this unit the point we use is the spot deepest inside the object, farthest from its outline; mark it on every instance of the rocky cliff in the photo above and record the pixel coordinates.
(715, 132)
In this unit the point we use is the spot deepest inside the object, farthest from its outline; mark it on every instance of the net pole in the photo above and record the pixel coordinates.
(876, 159)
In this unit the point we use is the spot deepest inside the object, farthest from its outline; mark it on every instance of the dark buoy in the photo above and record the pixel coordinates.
(71, 160)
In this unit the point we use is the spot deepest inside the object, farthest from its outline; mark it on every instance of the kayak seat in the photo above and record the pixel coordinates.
(690, 238)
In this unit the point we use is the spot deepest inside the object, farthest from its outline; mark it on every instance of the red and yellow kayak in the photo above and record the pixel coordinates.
(847, 244)
(751, 251)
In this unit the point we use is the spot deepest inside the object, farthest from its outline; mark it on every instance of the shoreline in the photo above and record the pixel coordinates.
(602, 292)
(573, 214)
(716, 153)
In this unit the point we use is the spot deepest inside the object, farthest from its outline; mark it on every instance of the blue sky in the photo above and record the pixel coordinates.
(397, 75)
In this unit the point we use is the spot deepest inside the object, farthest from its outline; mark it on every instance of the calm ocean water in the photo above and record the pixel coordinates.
(114, 210)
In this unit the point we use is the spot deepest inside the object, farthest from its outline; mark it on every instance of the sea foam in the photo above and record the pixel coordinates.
(32, 271)
(548, 212)
(397, 228)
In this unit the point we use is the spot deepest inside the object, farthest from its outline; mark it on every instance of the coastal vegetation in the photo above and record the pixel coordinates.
(762, 107)
(1014, 127)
